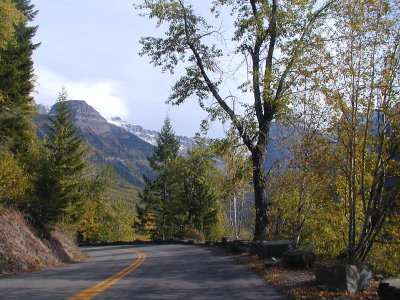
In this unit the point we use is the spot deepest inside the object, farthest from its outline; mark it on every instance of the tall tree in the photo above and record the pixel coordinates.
(16, 83)
(234, 180)
(196, 201)
(364, 95)
(63, 176)
(271, 38)
(157, 196)
(10, 17)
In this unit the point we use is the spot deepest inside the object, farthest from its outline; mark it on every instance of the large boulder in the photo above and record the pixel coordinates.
(350, 278)
(366, 274)
(239, 246)
(389, 289)
(264, 249)
(225, 241)
(339, 277)
(298, 258)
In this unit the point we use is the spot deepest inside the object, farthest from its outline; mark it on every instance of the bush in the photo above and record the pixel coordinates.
(13, 183)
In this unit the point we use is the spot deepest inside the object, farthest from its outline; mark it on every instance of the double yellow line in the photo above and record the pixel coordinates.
(93, 291)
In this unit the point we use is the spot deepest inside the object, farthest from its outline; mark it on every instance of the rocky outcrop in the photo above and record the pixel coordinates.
(85, 117)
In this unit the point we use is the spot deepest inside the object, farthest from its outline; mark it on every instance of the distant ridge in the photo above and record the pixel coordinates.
(112, 145)
(147, 135)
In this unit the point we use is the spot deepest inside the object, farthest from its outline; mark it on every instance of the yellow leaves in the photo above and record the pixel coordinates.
(13, 183)
(9, 16)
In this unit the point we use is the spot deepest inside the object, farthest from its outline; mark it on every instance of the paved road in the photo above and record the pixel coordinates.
(152, 272)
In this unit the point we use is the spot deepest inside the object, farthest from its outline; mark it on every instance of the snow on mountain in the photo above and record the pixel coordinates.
(43, 109)
(150, 136)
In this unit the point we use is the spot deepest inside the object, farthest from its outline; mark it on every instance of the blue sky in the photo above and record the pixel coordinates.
(91, 48)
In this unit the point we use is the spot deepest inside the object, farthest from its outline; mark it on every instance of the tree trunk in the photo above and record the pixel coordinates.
(261, 202)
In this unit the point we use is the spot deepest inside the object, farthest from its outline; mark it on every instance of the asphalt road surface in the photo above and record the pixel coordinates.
(142, 272)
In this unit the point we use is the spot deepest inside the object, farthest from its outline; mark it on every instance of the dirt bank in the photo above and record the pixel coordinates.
(21, 248)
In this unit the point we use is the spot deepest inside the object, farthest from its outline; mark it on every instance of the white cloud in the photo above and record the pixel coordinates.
(102, 95)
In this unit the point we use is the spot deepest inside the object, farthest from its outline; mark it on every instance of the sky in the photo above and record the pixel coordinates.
(91, 48)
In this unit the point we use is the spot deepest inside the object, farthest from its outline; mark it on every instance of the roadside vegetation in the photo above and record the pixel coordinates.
(326, 71)
(50, 181)
(328, 74)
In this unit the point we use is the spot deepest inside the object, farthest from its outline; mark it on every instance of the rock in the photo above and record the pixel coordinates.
(323, 287)
(209, 243)
(239, 246)
(389, 289)
(266, 249)
(271, 262)
(365, 272)
(299, 258)
(379, 277)
(338, 277)
(225, 240)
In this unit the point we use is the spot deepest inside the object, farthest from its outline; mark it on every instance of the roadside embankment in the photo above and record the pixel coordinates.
(21, 248)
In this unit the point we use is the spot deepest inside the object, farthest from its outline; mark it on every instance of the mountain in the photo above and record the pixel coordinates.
(126, 146)
(150, 136)
(43, 109)
(110, 144)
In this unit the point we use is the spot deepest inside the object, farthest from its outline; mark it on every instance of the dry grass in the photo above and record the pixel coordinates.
(22, 250)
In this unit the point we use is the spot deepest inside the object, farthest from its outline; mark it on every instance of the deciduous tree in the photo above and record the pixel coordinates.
(270, 37)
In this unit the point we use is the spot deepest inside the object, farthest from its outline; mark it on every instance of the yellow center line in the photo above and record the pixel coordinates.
(93, 291)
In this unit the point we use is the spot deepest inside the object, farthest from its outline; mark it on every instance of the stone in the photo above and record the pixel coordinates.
(271, 262)
(379, 277)
(209, 243)
(389, 289)
(225, 240)
(239, 246)
(298, 258)
(264, 249)
(339, 277)
(365, 272)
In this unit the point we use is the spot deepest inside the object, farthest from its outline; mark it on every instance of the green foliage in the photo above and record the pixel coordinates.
(157, 197)
(106, 220)
(16, 84)
(10, 16)
(167, 148)
(234, 181)
(275, 40)
(62, 175)
(182, 198)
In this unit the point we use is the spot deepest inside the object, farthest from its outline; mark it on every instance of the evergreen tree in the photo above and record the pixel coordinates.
(16, 84)
(167, 148)
(62, 178)
(197, 198)
(9, 17)
(157, 196)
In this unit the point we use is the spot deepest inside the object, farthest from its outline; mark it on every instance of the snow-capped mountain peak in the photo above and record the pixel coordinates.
(147, 135)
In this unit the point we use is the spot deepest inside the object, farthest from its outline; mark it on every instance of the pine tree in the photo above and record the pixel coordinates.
(62, 182)
(167, 148)
(157, 196)
(16, 84)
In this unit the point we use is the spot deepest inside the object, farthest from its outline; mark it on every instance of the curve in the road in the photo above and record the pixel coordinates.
(93, 291)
